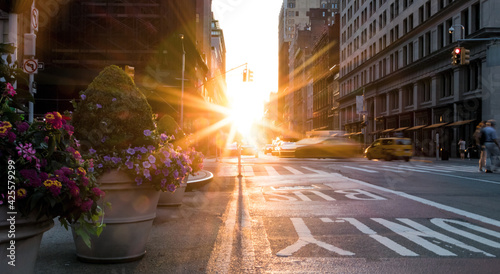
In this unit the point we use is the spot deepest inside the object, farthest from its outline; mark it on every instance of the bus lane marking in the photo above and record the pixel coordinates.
(305, 238)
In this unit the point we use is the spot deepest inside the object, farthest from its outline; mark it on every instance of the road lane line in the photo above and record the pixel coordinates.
(361, 169)
(457, 211)
(293, 170)
(271, 171)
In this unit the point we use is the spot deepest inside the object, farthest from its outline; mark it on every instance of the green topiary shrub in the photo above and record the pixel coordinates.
(112, 113)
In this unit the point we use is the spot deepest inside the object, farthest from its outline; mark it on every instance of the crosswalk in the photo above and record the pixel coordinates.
(283, 170)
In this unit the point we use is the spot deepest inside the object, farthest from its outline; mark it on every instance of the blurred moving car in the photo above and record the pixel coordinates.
(390, 148)
(327, 147)
(246, 149)
(268, 148)
(286, 149)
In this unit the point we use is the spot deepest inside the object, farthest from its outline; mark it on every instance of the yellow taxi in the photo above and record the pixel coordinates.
(390, 148)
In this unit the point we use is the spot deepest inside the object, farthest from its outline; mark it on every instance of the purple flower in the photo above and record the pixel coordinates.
(147, 174)
(151, 148)
(165, 172)
(171, 187)
(83, 96)
(131, 151)
(99, 165)
(116, 160)
(163, 137)
(143, 150)
(147, 132)
(152, 159)
(103, 139)
(22, 127)
(138, 180)
(163, 182)
(26, 151)
(129, 164)
(92, 151)
(114, 99)
(107, 158)
(98, 106)
(146, 164)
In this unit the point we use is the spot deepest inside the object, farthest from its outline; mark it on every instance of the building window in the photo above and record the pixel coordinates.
(425, 88)
(394, 99)
(408, 95)
(446, 84)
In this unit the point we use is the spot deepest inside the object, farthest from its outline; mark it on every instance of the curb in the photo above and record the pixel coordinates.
(201, 176)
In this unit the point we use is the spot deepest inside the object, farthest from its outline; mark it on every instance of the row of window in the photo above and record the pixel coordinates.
(423, 46)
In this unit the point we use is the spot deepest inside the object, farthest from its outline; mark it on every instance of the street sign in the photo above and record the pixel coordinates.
(34, 19)
(30, 66)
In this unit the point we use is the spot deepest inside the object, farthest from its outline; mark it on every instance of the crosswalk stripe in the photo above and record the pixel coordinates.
(361, 169)
(386, 169)
(425, 168)
(293, 170)
(315, 170)
(248, 171)
(271, 171)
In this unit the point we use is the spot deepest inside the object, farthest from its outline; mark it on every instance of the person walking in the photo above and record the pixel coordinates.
(461, 148)
(489, 135)
(480, 145)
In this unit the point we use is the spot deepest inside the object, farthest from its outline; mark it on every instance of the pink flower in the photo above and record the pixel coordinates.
(10, 90)
(87, 205)
(55, 119)
(26, 151)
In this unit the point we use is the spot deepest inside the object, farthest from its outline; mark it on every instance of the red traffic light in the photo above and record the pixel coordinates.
(457, 51)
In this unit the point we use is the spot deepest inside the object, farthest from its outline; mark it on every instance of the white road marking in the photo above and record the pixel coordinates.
(326, 220)
(322, 195)
(386, 169)
(271, 171)
(418, 232)
(305, 238)
(293, 170)
(443, 223)
(356, 194)
(401, 250)
(457, 211)
(248, 171)
(361, 169)
(315, 170)
(302, 196)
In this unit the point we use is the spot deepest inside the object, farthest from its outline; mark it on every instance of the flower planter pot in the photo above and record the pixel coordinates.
(173, 198)
(28, 233)
(128, 221)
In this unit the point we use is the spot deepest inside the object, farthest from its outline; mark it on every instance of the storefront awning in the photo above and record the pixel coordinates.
(401, 129)
(460, 123)
(387, 130)
(433, 126)
(417, 127)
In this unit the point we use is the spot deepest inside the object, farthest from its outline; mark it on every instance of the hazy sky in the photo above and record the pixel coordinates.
(251, 34)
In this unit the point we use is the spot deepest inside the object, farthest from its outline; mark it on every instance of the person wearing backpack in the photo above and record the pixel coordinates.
(491, 145)
(480, 144)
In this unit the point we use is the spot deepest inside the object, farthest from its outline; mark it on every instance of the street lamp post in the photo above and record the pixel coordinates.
(182, 81)
(452, 29)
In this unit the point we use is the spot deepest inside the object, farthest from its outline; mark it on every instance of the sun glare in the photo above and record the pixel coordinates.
(246, 110)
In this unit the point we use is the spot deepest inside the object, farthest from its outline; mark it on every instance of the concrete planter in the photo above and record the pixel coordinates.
(128, 221)
(173, 198)
(28, 235)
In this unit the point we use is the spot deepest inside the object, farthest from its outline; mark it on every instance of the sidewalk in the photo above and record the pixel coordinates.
(181, 239)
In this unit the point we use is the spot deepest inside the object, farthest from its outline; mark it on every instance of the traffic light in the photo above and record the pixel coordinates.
(244, 75)
(464, 56)
(250, 76)
(456, 56)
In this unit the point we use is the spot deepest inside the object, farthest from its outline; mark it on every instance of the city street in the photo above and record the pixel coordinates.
(319, 215)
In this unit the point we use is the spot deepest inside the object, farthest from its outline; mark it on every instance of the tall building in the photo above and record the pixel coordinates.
(295, 17)
(397, 54)
(77, 39)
